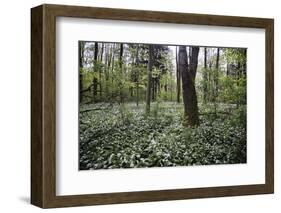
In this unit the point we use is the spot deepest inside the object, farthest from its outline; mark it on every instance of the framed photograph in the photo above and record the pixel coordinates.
(136, 106)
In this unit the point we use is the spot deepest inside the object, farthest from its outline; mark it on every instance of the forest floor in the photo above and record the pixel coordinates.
(123, 136)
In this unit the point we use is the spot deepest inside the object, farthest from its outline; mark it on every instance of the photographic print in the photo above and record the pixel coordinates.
(161, 105)
(132, 95)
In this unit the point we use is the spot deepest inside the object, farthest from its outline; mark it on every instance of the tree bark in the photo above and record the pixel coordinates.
(112, 70)
(102, 51)
(178, 77)
(137, 74)
(171, 86)
(188, 72)
(149, 78)
(95, 80)
(245, 62)
(81, 56)
(216, 80)
(106, 68)
(152, 89)
(205, 78)
(100, 70)
(121, 71)
(217, 74)
(121, 55)
(227, 69)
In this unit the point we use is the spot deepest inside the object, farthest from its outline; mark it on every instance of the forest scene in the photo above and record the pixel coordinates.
(152, 105)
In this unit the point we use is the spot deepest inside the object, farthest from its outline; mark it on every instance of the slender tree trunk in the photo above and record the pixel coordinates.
(244, 62)
(95, 80)
(205, 78)
(178, 77)
(81, 56)
(152, 89)
(121, 71)
(121, 55)
(227, 69)
(106, 68)
(155, 88)
(149, 78)
(133, 76)
(159, 86)
(188, 85)
(102, 52)
(137, 73)
(112, 70)
(216, 80)
(110, 56)
(100, 70)
(211, 91)
(238, 77)
(166, 86)
(217, 73)
(171, 87)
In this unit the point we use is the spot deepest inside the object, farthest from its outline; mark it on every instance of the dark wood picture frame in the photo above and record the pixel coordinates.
(43, 105)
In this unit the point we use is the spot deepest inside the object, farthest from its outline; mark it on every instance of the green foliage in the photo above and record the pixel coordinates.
(124, 137)
(239, 117)
(234, 55)
(233, 90)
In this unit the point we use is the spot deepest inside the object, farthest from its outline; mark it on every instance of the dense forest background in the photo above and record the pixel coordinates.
(147, 105)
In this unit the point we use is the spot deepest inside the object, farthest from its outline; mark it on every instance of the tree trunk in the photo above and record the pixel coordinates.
(178, 77)
(205, 78)
(137, 73)
(210, 79)
(244, 72)
(95, 80)
(81, 56)
(159, 86)
(171, 87)
(238, 77)
(188, 85)
(102, 50)
(152, 89)
(149, 78)
(227, 69)
(216, 80)
(112, 69)
(100, 70)
(107, 67)
(217, 73)
(121, 71)
(121, 55)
